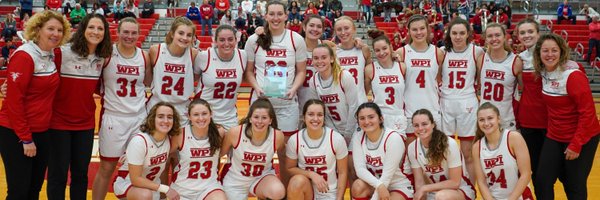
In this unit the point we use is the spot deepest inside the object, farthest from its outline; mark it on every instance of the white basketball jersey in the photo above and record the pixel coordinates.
(375, 158)
(219, 83)
(499, 166)
(354, 62)
(282, 54)
(197, 167)
(421, 80)
(173, 79)
(320, 159)
(123, 89)
(388, 88)
(458, 73)
(154, 161)
(498, 83)
(334, 97)
(249, 161)
(304, 91)
(438, 173)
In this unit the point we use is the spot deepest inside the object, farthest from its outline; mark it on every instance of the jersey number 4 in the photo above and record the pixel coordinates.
(195, 168)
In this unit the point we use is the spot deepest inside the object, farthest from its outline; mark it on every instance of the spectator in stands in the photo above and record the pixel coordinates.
(565, 12)
(131, 11)
(77, 14)
(104, 5)
(24, 21)
(427, 7)
(335, 14)
(118, 11)
(7, 50)
(478, 19)
(148, 9)
(227, 19)
(293, 4)
(295, 26)
(402, 31)
(221, 6)
(387, 10)
(215, 16)
(206, 13)
(501, 18)
(396, 43)
(594, 38)
(193, 13)
(294, 14)
(67, 6)
(242, 42)
(508, 12)
(54, 4)
(240, 23)
(83, 4)
(589, 13)
(10, 27)
(260, 7)
(26, 7)
(334, 6)
(323, 8)
(436, 20)
(464, 8)
(96, 8)
(247, 7)
(311, 9)
(253, 22)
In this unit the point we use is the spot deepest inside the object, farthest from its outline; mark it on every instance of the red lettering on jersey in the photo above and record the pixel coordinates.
(308, 62)
(344, 61)
(279, 53)
(158, 159)
(330, 98)
(200, 152)
(315, 160)
(174, 68)
(434, 169)
(457, 64)
(389, 79)
(420, 62)
(226, 73)
(374, 161)
(255, 157)
(494, 74)
(554, 84)
(128, 70)
(493, 162)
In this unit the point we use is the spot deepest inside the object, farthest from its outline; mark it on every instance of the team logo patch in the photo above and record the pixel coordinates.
(15, 76)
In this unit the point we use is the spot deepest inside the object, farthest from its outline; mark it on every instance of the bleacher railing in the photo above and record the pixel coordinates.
(579, 50)
(595, 67)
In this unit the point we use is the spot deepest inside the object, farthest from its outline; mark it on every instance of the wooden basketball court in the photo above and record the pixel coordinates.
(242, 105)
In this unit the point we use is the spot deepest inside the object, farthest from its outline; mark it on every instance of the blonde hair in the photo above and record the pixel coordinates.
(345, 18)
(37, 21)
(416, 18)
(336, 69)
(179, 21)
(503, 30)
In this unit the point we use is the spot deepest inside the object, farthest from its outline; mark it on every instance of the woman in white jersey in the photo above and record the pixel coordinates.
(146, 156)
(172, 67)
(385, 78)
(423, 62)
(351, 56)
(123, 101)
(221, 70)
(500, 71)
(503, 170)
(253, 145)
(436, 157)
(195, 177)
(459, 75)
(277, 69)
(379, 158)
(317, 158)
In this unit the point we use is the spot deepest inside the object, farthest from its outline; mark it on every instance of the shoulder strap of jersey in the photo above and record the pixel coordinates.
(240, 57)
(331, 141)
(239, 137)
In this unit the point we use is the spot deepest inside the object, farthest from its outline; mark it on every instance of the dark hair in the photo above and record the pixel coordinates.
(416, 18)
(373, 106)
(264, 103)
(565, 51)
(214, 138)
(149, 124)
(438, 143)
(307, 19)
(487, 105)
(265, 40)
(448, 39)
(129, 20)
(79, 44)
(378, 35)
(311, 102)
(529, 21)
(225, 27)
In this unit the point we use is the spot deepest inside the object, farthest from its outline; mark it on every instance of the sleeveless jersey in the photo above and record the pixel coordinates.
(219, 83)
(499, 166)
(458, 74)
(197, 167)
(375, 158)
(498, 84)
(388, 88)
(421, 85)
(173, 79)
(334, 97)
(155, 158)
(249, 161)
(320, 159)
(123, 88)
(304, 91)
(282, 54)
(354, 62)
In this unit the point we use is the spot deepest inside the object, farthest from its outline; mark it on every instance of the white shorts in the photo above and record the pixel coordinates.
(459, 116)
(187, 194)
(331, 194)
(236, 189)
(395, 122)
(405, 189)
(437, 117)
(121, 186)
(287, 119)
(115, 132)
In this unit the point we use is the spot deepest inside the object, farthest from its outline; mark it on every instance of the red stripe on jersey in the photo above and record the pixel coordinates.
(182, 139)
(157, 55)
(401, 193)
(292, 36)
(508, 145)
(331, 141)
(385, 141)
(274, 141)
(241, 61)
(208, 194)
(513, 65)
(297, 142)
(208, 62)
(239, 138)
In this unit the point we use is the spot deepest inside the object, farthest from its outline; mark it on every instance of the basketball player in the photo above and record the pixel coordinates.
(351, 57)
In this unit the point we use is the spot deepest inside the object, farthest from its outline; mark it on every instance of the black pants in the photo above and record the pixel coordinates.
(572, 173)
(572, 18)
(534, 137)
(24, 175)
(593, 43)
(69, 149)
(22, 13)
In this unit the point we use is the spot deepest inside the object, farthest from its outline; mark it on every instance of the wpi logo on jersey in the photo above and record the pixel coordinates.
(128, 70)
(389, 79)
(554, 84)
(309, 62)
(494, 74)
(330, 98)
(374, 161)
(315, 160)
(200, 152)
(255, 157)
(420, 62)
(277, 53)
(352, 60)
(457, 63)
(174, 68)
(434, 169)
(158, 159)
(15, 76)
(493, 162)
(226, 73)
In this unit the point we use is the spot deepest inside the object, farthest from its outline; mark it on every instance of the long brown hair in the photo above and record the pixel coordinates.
(266, 39)
(564, 53)
(448, 39)
(259, 103)
(311, 102)
(79, 44)
(487, 105)
(305, 23)
(438, 145)
(214, 138)
(149, 124)
(179, 21)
